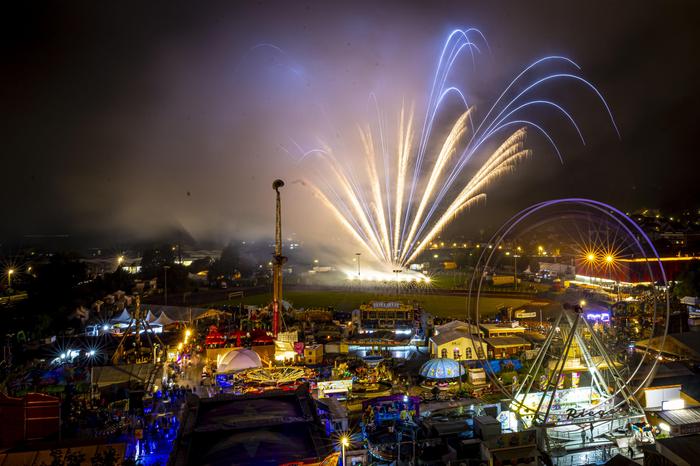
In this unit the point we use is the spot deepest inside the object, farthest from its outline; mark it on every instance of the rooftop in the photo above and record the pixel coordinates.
(684, 450)
(441, 368)
(507, 342)
(503, 326)
(681, 416)
(272, 428)
(451, 335)
(457, 325)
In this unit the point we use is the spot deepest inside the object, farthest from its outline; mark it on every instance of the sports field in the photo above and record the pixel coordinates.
(440, 306)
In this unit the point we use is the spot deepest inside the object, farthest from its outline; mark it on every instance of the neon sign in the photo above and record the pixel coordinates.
(573, 413)
(602, 316)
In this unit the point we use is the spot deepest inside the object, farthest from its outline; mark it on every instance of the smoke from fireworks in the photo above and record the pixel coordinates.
(408, 188)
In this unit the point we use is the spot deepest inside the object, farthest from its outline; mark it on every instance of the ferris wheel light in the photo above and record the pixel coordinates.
(609, 259)
(590, 257)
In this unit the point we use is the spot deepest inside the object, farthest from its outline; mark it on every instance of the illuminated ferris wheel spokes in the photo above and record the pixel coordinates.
(577, 378)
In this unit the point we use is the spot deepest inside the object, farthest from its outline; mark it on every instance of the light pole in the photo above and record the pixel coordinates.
(9, 278)
(165, 283)
(591, 260)
(344, 443)
(397, 272)
(515, 271)
(358, 263)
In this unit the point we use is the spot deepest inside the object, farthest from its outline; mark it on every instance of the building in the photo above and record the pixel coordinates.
(630, 271)
(670, 409)
(505, 347)
(508, 448)
(35, 416)
(313, 354)
(457, 340)
(385, 315)
(503, 329)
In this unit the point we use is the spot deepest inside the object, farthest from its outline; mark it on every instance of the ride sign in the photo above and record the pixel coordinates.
(572, 413)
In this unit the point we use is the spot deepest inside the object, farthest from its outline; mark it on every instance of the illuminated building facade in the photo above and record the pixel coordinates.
(385, 315)
(629, 270)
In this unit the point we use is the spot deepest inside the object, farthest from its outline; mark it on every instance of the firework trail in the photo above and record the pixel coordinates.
(409, 194)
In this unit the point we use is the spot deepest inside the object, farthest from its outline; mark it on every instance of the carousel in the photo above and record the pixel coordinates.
(442, 373)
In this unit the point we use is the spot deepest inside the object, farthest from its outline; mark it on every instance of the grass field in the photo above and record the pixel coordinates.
(439, 306)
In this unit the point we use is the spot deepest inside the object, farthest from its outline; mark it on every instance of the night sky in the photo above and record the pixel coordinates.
(128, 120)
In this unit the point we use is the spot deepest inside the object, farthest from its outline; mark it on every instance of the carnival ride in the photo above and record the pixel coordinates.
(583, 382)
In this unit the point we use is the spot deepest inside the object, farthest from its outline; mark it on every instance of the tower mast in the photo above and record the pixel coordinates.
(278, 261)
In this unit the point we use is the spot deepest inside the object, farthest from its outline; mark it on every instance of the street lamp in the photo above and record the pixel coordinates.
(515, 271)
(358, 263)
(344, 443)
(397, 272)
(9, 277)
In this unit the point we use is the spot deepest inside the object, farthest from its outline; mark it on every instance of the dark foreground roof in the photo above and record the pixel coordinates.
(272, 428)
(619, 460)
(683, 450)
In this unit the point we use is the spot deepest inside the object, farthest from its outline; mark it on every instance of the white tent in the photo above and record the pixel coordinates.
(150, 317)
(238, 360)
(124, 317)
(163, 320)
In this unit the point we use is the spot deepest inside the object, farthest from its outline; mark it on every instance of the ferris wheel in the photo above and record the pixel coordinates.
(579, 382)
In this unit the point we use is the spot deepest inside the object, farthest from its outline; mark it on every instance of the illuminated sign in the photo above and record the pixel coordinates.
(572, 413)
(601, 316)
(673, 404)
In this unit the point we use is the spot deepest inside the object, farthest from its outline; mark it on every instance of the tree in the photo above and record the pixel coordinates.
(153, 260)
(230, 263)
(688, 281)
(178, 278)
(59, 288)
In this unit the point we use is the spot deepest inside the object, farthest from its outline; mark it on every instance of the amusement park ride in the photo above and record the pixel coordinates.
(581, 389)
(142, 350)
(582, 394)
(278, 261)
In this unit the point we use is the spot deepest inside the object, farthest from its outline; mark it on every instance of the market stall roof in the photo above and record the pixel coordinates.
(103, 376)
(441, 368)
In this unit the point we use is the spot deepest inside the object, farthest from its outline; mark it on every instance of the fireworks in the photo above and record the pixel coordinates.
(410, 187)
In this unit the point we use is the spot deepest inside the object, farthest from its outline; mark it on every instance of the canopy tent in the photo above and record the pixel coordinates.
(124, 317)
(163, 320)
(184, 313)
(238, 360)
(150, 317)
